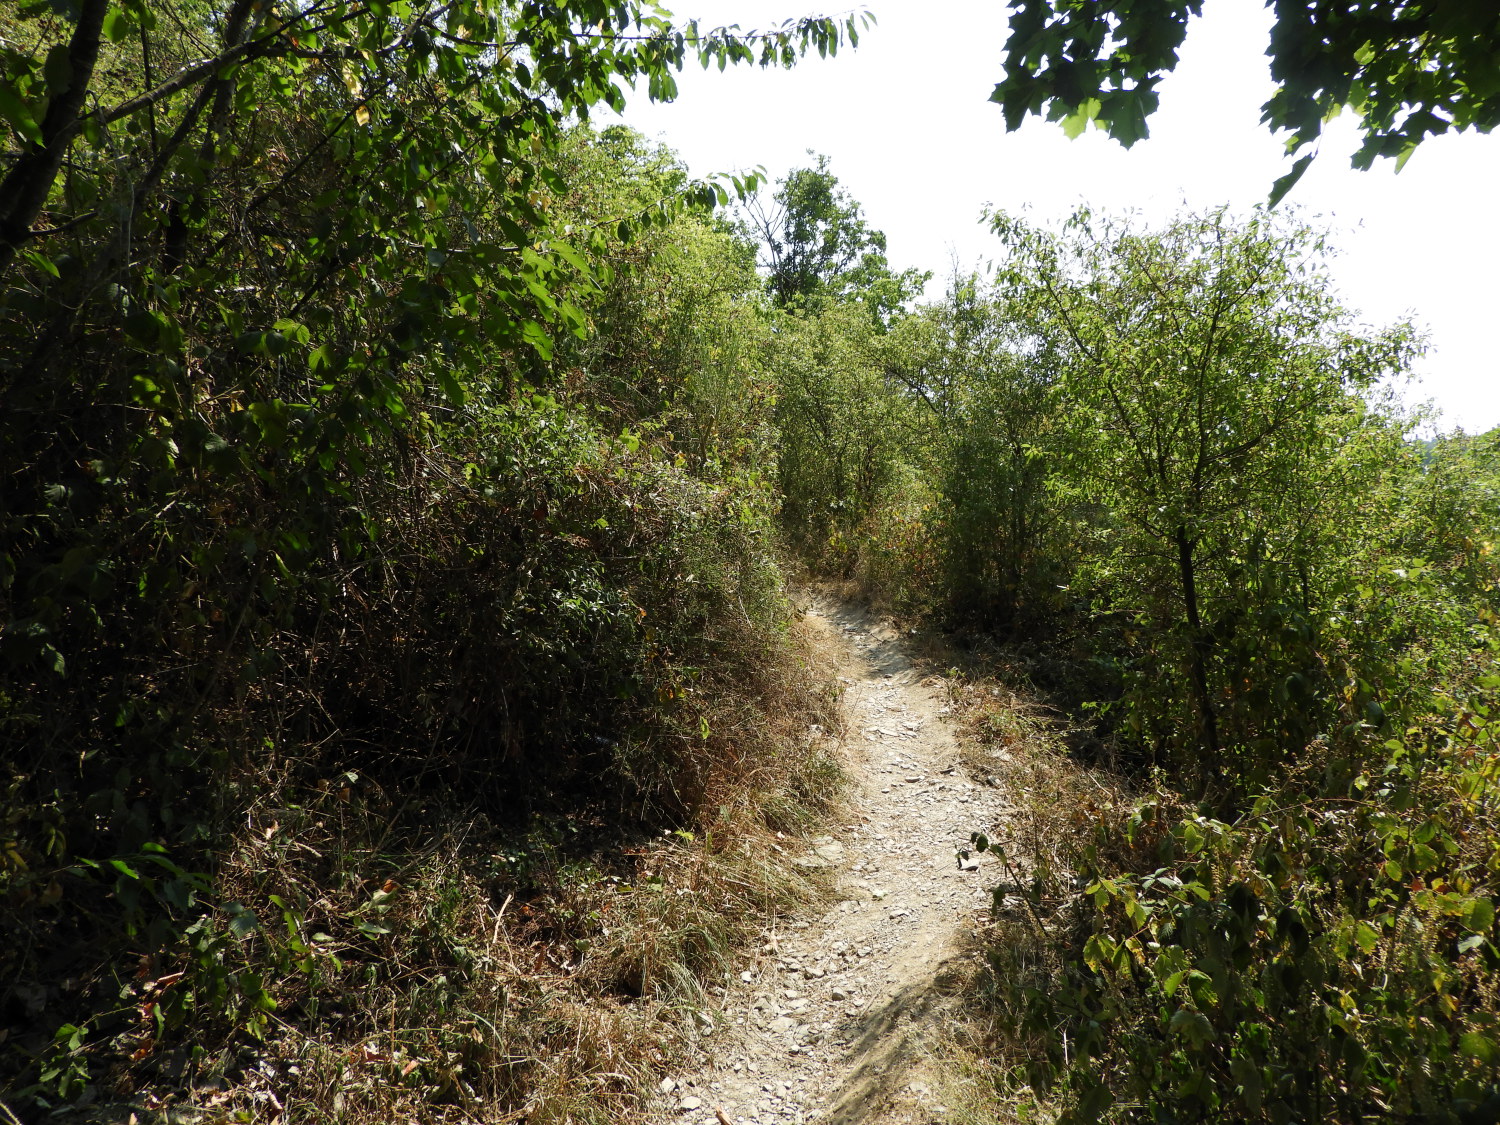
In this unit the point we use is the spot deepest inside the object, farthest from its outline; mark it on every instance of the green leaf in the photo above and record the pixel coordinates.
(535, 335)
(178, 894)
(569, 255)
(145, 327)
(1099, 952)
(1288, 181)
(269, 344)
(1127, 121)
(71, 1035)
(58, 69)
(321, 359)
(1076, 122)
(14, 110)
(253, 986)
(117, 24)
(242, 920)
(42, 262)
(380, 901)
(1191, 1026)
(1479, 915)
(452, 389)
(1479, 1047)
(55, 660)
(293, 331)
(1367, 937)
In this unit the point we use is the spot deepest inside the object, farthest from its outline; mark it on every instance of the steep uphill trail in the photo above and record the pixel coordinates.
(833, 1021)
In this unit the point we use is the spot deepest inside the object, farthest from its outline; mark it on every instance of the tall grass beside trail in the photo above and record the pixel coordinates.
(474, 840)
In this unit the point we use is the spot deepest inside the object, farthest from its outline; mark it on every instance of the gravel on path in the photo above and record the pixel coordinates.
(827, 1025)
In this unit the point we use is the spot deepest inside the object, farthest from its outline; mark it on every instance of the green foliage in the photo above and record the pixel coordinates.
(342, 439)
(1450, 503)
(1218, 383)
(1410, 70)
(676, 338)
(1322, 957)
(1091, 62)
(1166, 454)
(839, 426)
(1000, 435)
(819, 248)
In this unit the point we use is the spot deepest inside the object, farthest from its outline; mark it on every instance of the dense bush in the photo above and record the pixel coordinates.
(368, 516)
(1162, 466)
(1329, 954)
(839, 429)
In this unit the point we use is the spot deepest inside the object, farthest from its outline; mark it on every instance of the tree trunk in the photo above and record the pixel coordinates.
(24, 191)
(1199, 643)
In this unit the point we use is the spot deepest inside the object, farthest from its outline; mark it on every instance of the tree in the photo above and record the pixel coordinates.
(251, 277)
(839, 424)
(1220, 379)
(818, 246)
(1410, 68)
(506, 75)
(675, 336)
(996, 429)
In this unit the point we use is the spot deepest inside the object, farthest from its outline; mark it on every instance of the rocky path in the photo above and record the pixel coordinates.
(832, 1023)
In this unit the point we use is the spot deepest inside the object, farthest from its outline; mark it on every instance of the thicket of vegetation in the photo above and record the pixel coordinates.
(387, 561)
(1167, 463)
(398, 703)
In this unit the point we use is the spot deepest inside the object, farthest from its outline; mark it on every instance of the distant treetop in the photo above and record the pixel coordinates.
(817, 245)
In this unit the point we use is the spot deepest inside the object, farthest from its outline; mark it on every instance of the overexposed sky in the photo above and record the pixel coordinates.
(907, 124)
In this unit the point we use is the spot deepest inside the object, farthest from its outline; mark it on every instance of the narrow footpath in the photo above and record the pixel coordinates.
(833, 1022)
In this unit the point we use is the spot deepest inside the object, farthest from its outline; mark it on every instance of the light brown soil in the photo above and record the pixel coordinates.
(834, 1021)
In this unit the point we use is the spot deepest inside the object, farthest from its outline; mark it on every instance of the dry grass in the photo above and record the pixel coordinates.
(428, 964)
(1020, 745)
(978, 1092)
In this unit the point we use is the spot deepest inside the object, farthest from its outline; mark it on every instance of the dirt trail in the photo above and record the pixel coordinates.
(831, 1023)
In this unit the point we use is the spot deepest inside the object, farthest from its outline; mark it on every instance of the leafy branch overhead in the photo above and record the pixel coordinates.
(514, 72)
(1411, 69)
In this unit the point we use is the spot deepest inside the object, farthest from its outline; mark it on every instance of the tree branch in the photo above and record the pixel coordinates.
(29, 183)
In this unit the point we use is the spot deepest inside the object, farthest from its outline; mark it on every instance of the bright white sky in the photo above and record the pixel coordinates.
(906, 122)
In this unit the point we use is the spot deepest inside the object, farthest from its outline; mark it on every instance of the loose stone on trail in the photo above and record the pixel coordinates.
(830, 1022)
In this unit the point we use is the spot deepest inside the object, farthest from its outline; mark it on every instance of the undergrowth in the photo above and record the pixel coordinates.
(1328, 953)
(461, 833)
(364, 954)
